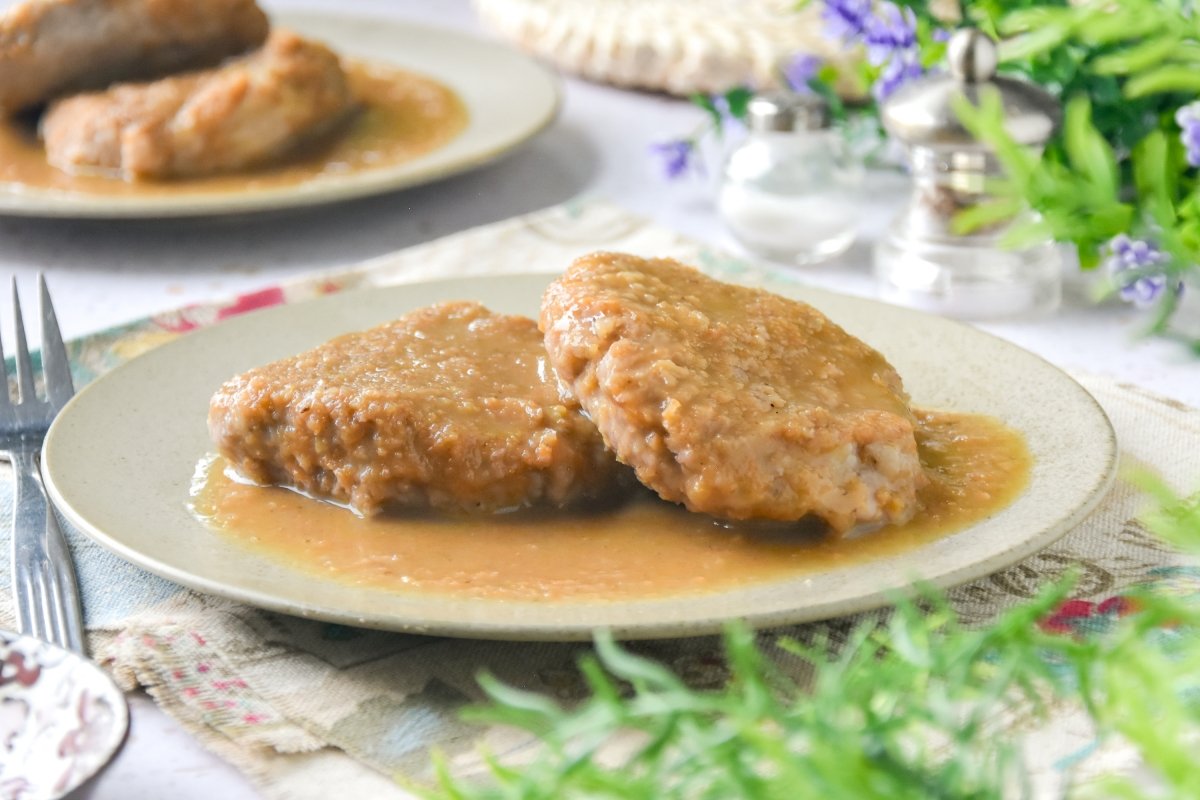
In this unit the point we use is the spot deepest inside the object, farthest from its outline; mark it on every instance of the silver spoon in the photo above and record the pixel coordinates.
(62, 719)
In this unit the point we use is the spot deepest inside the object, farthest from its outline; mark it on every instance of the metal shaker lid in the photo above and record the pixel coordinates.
(787, 111)
(921, 113)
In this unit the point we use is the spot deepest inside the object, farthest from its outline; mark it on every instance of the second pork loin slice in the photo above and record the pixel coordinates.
(733, 401)
(449, 407)
(249, 111)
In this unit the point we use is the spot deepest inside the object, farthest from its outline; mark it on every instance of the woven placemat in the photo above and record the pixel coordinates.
(676, 46)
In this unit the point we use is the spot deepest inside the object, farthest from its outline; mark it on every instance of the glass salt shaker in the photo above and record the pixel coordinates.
(921, 261)
(785, 193)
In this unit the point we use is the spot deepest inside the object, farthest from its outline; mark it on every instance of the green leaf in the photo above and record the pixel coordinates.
(738, 99)
(1186, 51)
(1110, 26)
(525, 708)
(1150, 164)
(1090, 155)
(1035, 42)
(1139, 57)
(986, 123)
(1027, 234)
(824, 88)
(986, 214)
(630, 667)
(1168, 78)
(705, 102)
(1023, 20)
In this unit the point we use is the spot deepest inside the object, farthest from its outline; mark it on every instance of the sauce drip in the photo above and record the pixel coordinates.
(643, 548)
(403, 115)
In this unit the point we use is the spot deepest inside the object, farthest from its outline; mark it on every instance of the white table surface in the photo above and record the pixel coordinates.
(103, 273)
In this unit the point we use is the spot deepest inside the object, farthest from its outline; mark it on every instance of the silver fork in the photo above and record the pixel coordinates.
(43, 575)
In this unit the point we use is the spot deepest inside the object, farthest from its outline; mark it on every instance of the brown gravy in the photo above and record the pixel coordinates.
(643, 548)
(404, 115)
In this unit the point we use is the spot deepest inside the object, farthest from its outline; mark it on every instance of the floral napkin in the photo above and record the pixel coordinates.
(312, 710)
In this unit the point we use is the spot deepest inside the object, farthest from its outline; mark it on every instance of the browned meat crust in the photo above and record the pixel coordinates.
(53, 47)
(734, 401)
(450, 407)
(249, 111)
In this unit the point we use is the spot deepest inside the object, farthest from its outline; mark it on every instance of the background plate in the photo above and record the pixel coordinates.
(119, 461)
(509, 99)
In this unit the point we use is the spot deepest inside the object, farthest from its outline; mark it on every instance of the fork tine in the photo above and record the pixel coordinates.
(4, 398)
(47, 592)
(25, 392)
(55, 365)
(24, 590)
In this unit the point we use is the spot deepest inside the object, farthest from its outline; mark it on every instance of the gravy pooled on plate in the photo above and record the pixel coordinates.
(640, 548)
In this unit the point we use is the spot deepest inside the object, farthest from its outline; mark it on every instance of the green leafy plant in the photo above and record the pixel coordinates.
(904, 709)
(1121, 171)
(1119, 180)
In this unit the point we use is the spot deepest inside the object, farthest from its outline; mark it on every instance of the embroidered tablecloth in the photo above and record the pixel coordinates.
(313, 710)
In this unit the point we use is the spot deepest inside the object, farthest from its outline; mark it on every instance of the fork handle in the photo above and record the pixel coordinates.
(47, 594)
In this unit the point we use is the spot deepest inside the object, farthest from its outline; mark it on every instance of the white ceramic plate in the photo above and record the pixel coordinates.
(120, 458)
(509, 99)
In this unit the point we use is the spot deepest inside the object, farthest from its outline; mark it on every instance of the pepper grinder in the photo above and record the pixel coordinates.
(785, 191)
(921, 261)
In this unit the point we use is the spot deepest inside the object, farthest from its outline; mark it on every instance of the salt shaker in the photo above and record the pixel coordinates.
(921, 261)
(784, 192)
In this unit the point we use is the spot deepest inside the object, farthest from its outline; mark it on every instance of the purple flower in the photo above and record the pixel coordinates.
(677, 156)
(889, 33)
(940, 35)
(1143, 291)
(1135, 267)
(729, 122)
(721, 104)
(1188, 118)
(1125, 254)
(799, 70)
(903, 68)
(846, 19)
(893, 31)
